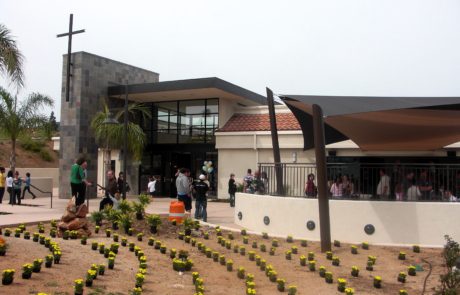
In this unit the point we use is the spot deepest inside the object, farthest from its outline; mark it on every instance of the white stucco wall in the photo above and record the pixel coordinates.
(396, 223)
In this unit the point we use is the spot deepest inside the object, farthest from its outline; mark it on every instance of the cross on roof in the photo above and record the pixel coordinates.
(69, 51)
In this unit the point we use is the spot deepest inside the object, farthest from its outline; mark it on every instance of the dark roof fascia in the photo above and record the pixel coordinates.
(187, 85)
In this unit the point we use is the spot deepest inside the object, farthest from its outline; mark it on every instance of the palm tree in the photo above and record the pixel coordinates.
(111, 136)
(11, 59)
(16, 119)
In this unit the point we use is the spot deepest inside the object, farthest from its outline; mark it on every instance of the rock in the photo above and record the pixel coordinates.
(77, 223)
(68, 216)
(82, 210)
(71, 206)
(63, 225)
(84, 233)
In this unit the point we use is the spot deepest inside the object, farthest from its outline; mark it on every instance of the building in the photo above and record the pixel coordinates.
(194, 121)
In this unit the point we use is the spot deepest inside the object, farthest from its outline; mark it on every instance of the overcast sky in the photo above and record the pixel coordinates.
(352, 47)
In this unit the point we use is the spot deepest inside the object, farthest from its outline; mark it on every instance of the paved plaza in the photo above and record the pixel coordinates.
(39, 210)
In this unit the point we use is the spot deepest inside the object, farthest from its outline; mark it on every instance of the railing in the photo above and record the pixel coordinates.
(366, 181)
(51, 194)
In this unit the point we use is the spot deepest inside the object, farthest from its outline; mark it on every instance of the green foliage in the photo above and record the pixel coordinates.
(144, 199)
(45, 155)
(138, 207)
(11, 59)
(97, 217)
(450, 280)
(153, 220)
(124, 206)
(27, 143)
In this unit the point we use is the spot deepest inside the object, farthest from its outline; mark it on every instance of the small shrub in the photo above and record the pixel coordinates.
(303, 243)
(377, 282)
(416, 248)
(355, 271)
(411, 270)
(402, 277)
(402, 256)
(342, 284)
(303, 260)
(354, 249)
(328, 277)
(337, 244)
(365, 245)
(290, 239)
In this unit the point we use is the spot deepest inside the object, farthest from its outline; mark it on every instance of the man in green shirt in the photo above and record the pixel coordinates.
(78, 181)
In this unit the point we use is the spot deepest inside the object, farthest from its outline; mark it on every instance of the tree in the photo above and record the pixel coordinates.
(11, 59)
(111, 136)
(16, 119)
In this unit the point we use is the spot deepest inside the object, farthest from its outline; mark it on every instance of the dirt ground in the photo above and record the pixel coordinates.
(25, 158)
(162, 279)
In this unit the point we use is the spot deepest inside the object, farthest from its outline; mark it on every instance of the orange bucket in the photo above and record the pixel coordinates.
(176, 211)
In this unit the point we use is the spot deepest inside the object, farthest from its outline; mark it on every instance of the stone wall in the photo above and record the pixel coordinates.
(91, 76)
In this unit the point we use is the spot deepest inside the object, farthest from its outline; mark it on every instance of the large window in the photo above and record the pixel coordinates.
(186, 121)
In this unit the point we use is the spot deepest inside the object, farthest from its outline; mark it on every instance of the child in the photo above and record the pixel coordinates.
(27, 187)
(151, 186)
(232, 189)
(17, 184)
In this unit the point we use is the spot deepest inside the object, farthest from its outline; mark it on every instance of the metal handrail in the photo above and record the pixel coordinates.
(51, 194)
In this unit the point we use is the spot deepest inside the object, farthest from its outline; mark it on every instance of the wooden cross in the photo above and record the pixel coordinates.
(69, 51)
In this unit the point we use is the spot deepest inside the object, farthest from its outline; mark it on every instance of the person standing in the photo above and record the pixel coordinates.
(151, 186)
(2, 183)
(17, 185)
(27, 187)
(383, 188)
(310, 188)
(200, 190)
(232, 189)
(247, 181)
(78, 181)
(183, 189)
(9, 186)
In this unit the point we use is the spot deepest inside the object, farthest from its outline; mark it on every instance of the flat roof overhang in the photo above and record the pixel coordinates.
(188, 89)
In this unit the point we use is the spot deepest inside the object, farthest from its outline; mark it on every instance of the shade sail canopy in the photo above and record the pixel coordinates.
(381, 123)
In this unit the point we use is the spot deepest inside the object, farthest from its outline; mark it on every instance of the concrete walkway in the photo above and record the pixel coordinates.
(39, 210)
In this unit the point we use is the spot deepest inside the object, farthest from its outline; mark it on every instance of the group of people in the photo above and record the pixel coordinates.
(187, 188)
(12, 183)
(256, 183)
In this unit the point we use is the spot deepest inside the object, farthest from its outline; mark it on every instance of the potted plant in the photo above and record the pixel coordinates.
(53, 233)
(229, 264)
(206, 235)
(342, 284)
(245, 240)
(97, 217)
(83, 240)
(402, 277)
(222, 259)
(94, 245)
(130, 231)
(403, 292)
(163, 249)
(411, 270)
(187, 239)
(111, 262)
(272, 251)
(195, 275)
(101, 269)
(377, 282)
(124, 241)
(265, 235)
(90, 277)
(263, 248)
(311, 256)
(188, 225)
(178, 265)
(66, 235)
(416, 248)
(335, 261)
(244, 232)
(101, 248)
(241, 272)
(35, 236)
(355, 271)
(108, 232)
(106, 252)
(208, 252)
(157, 245)
(292, 290)
(322, 271)
(78, 287)
(74, 234)
(252, 255)
(230, 236)
(328, 277)
(125, 220)
(349, 291)
(354, 249)
(254, 245)
(7, 232)
(139, 237)
(372, 258)
(188, 264)
(37, 265)
(369, 266)
(57, 256)
(8, 276)
(312, 265)
(172, 253)
(26, 235)
(402, 255)
(288, 255)
(17, 232)
(250, 284)
(228, 245)
(218, 232)
(136, 291)
(290, 239)
(303, 243)
(303, 260)
(294, 250)
(215, 256)
(273, 276)
(153, 221)
(365, 245)
(139, 209)
(96, 229)
(275, 243)
(49, 260)
(27, 271)
(280, 284)
(242, 251)
(41, 228)
(329, 255)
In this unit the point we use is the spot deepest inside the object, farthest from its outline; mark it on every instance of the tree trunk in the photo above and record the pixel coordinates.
(13, 156)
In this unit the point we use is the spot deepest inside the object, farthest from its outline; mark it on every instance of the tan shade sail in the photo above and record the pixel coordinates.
(402, 126)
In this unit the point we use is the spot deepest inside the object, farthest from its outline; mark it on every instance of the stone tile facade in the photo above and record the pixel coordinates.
(91, 75)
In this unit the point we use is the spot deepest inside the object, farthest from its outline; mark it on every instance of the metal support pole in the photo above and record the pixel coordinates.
(275, 143)
(323, 200)
(69, 61)
(125, 141)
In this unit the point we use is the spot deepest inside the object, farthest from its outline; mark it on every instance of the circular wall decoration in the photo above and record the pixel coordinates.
(240, 215)
(311, 225)
(369, 229)
(267, 220)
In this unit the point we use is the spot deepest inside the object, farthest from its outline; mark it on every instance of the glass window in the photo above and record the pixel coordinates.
(212, 106)
(192, 107)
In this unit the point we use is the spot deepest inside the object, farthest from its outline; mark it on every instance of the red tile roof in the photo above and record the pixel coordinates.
(260, 122)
